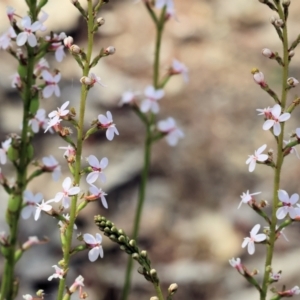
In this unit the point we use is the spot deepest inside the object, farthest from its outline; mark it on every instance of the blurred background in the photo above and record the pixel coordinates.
(190, 226)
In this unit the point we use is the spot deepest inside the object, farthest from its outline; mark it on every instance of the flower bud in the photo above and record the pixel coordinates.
(68, 41)
(292, 81)
(267, 53)
(273, 19)
(86, 80)
(291, 53)
(110, 50)
(258, 77)
(172, 288)
(100, 21)
(75, 49)
(278, 23)
(286, 2)
(154, 298)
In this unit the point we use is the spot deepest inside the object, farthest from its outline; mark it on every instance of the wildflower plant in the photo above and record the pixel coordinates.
(27, 42)
(284, 208)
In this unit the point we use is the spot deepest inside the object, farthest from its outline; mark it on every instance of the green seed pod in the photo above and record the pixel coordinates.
(12, 154)
(34, 104)
(22, 71)
(30, 152)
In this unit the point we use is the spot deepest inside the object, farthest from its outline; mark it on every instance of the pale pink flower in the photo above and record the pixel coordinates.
(16, 81)
(51, 84)
(68, 190)
(150, 102)
(267, 112)
(107, 122)
(68, 41)
(170, 10)
(52, 165)
(30, 200)
(59, 51)
(97, 167)
(236, 263)
(91, 80)
(95, 244)
(40, 66)
(267, 53)
(275, 120)
(180, 68)
(77, 283)
(27, 297)
(28, 34)
(293, 291)
(52, 123)
(43, 16)
(287, 203)
(10, 11)
(59, 273)
(173, 133)
(246, 197)
(70, 152)
(39, 121)
(275, 276)
(96, 193)
(32, 240)
(292, 82)
(128, 97)
(5, 145)
(60, 112)
(251, 161)
(259, 78)
(292, 150)
(44, 206)
(67, 217)
(5, 39)
(254, 238)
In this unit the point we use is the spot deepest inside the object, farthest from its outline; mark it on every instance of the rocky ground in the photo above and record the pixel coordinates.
(191, 225)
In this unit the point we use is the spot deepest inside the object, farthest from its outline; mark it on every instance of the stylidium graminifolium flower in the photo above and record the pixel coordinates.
(287, 207)
(173, 133)
(255, 237)
(258, 156)
(150, 102)
(30, 200)
(5, 145)
(51, 84)
(276, 119)
(28, 34)
(52, 165)
(106, 122)
(5, 38)
(45, 206)
(96, 193)
(259, 78)
(59, 273)
(236, 263)
(246, 197)
(95, 244)
(98, 167)
(179, 68)
(128, 97)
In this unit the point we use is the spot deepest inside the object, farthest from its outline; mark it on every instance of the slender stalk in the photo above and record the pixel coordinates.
(66, 244)
(147, 153)
(159, 293)
(279, 162)
(9, 286)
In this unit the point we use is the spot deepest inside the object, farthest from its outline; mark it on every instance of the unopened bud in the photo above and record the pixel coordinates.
(292, 81)
(154, 298)
(75, 49)
(172, 288)
(278, 23)
(291, 53)
(100, 21)
(258, 77)
(286, 2)
(110, 50)
(267, 53)
(73, 1)
(86, 80)
(273, 19)
(68, 41)
(144, 253)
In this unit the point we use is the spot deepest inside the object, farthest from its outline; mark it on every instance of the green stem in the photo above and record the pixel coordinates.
(67, 239)
(8, 286)
(159, 293)
(147, 152)
(279, 162)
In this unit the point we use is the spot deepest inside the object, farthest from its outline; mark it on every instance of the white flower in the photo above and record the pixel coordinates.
(5, 145)
(40, 66)
(27, 297)
(68, 190)
(236, 263)
(180, 68)
(96, 193)
(287, 203)
(276, 119)
(51, 84)
(10, 11)
(150, 102)
(97, 167)
(28, 34)
(45, 206)
(254, 238)
(169, 127)
(60, 112)
(16, 81)
(55, 122)
(52, 165)
(246, 197)
(5, 39)
(267, 112)
(59, 273)
(95, 244)
(107, 122)
(30, 201)
(77, 283)
(256, 157)
(67, 217)
(69, 153)
(39, 121)
(128, 97)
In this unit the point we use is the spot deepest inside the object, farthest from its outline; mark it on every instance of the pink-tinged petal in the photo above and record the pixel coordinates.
(252, 166)
(101, 251)
(294, 198)
(172, 139)
(32, 40)
(26, 212)
(104, 202)
(284, 117)
(251, 248)
(103, 163)
(93, 161)
(245, 242)
(93, 254)
(98, 238)
(276, 129)
(155, 107)
(35, 126)
(92, 177)
(21, 39)
(48, 91)
(65, 105)
(149, 90)
(255, 230)
(260, 237)
(159, 94)
(38, 198)
(261, 149)
(102, 177)
(3, 157)
(262, 157)
(57, 78)
(110, 133)
(102, 119)
(66, 202)
(249, 159)
(281, 213)
(59, 54)
(292, 212)
(268, 124)
(89, 239)
(145, 105)
(109, 116)
(56, 91)
(276, 110)
(283, 196)
(58, 196)
(36, 26)
(74, 190)
(67, 183)
(47, 76)
(298, 132)
(26, 22)
(116, 130)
